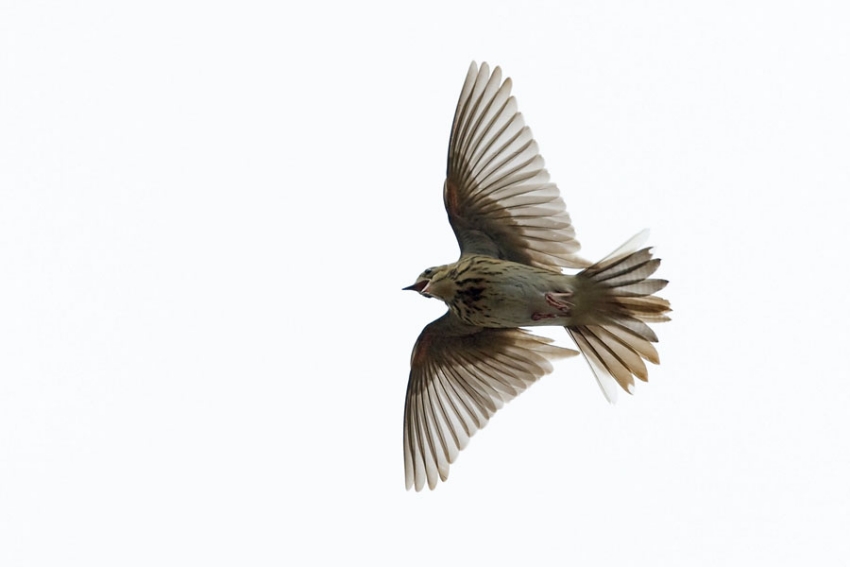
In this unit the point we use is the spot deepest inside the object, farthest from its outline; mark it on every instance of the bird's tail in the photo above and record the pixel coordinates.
(618, 296)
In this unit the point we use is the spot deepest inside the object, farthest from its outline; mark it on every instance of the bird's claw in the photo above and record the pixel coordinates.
(559, 301)
(539, 316)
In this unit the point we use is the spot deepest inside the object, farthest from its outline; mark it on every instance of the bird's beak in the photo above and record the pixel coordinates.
(418, 286)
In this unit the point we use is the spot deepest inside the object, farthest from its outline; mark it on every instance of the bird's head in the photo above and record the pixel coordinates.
(435, 282)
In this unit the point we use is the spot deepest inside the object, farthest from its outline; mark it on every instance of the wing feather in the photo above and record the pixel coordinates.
(497, 193)
(460, 376)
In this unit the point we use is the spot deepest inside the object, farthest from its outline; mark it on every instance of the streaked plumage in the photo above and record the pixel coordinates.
(515, 236)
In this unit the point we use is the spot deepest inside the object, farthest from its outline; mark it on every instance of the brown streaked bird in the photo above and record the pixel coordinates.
(515, 237)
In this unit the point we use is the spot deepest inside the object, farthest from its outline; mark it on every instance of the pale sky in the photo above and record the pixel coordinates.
(208, 213)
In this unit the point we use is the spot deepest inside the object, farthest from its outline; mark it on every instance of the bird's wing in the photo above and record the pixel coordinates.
(459, 376)
(497, 192)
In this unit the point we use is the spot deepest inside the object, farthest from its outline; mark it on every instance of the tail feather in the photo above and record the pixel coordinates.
(641, 344)
(616, 340)
(649, 308)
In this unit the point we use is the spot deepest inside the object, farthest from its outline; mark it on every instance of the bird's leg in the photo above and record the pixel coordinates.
(560, 300)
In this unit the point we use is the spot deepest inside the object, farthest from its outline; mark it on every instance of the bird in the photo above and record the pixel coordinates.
(515, 238)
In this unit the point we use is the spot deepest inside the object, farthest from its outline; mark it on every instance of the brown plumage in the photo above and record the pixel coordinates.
(515, 236)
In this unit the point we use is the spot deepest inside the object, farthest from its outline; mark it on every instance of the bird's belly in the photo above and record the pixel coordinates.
(513, 304)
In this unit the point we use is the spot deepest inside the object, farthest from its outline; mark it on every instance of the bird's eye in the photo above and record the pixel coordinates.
(428, 271)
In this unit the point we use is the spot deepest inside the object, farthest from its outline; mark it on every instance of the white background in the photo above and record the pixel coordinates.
(208, 209)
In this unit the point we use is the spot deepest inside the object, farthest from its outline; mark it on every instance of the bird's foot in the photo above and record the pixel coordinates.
(539, 316)
(560, 301)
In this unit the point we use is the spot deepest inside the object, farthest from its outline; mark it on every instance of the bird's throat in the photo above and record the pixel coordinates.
(443, 288)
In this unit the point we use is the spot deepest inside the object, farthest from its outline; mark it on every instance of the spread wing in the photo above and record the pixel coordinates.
(460, 376)
(497, 192)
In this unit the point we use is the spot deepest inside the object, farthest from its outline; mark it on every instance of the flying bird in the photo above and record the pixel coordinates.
(515, 237)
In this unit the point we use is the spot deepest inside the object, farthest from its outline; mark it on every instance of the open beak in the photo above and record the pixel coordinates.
(418, 286)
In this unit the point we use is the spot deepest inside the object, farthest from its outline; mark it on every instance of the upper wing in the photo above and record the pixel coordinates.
(459, 376)
(497, 193)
